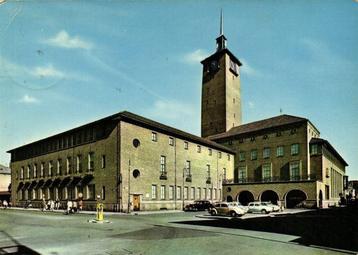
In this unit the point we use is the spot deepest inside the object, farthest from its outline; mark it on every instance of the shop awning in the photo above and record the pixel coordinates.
(39, 184)
(32, 185)
(85, 180)
(47, 183)
(26, 185)
(20, 186)
(65, 181)
(55, 183)
(74, 181)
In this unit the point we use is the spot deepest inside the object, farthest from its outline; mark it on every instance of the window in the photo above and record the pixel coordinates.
(199, 193)
(210, 193)
(215, 191)
(178, 192)
(59, 167)
(219, 154)
(91, 161)
(253, 154)
(103, 161)
(205, 193)
(90, 191)
(103, 193)
(28, 169)
(50, 168)
(314, 149)
(186, 145)
(266, 152)
(79, 164)
(241, 156)
(154, 191)
(210, 152)
(22, 173)
(198, 149)
(35, 171)
(42, 169)
(228, 157)
(266, 172)
(65, 193)
(279, 151)
(192, 193)
(171, 141)
(188, 168)
(68, 165)
(294, 149)
(208, 170)
(162, 165)
(294, 170)
(162, 192)
(154, 137)
(224, 173)
(186, 191)
(242, 174)
(171, 192)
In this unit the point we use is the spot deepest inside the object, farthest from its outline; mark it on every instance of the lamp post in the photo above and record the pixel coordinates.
(183, 185)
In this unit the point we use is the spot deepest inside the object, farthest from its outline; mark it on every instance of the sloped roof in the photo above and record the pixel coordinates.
(329, 147)
(274, 122)
(4, 169)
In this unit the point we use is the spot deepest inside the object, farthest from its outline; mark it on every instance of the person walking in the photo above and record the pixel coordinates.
(57, 204)
(5, 204)
(69, 206)
(43, 203)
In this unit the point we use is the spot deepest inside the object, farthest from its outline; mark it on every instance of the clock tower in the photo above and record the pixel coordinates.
(220, 96)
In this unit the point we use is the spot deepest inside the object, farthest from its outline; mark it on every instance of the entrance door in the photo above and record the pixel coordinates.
(136, 203)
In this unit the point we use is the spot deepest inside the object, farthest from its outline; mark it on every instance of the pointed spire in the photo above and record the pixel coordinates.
(221, 22)
(221, 40)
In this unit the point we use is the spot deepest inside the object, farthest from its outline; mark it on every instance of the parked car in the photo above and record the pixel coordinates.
(199, 205)
(237, 204)
(261, 207)
(275, 208)
(225, 208)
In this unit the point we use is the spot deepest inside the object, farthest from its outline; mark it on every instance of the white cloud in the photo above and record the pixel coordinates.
(248, 69)
(63, 40)
(195, 57)
(251, 105)
(28, 100)
(47, 71)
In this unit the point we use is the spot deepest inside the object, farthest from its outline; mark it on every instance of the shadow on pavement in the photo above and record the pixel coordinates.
(8, 245)
(334, 227)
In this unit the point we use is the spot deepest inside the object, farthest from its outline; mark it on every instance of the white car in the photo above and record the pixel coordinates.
(261, 207)
(275, 208)
(225, 208)
(237, 204)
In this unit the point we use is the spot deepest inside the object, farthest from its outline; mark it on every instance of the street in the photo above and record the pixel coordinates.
(161, 233)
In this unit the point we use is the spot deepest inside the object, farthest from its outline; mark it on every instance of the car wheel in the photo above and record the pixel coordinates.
(213, 213)
(233, 214)
(264, 211)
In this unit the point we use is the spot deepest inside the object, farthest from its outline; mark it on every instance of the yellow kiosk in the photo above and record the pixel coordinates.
(99, 212)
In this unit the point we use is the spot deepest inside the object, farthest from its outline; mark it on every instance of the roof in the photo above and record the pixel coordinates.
(225, 50)
(4, 169)
(147, 123)
(265, 124)
(329, 147)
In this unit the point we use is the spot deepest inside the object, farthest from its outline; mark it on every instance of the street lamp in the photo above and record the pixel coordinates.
(183, 185)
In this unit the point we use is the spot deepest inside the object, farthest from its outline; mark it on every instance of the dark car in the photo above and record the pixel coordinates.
(198, 205)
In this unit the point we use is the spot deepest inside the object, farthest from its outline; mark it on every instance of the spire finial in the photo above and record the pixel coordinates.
(221, 22)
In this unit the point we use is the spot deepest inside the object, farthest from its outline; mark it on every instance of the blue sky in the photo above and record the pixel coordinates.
(63, 64)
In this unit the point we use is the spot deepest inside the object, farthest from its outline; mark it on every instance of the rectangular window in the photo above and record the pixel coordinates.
(186, 145)
(171, 192)
(91, 191)
(208, 170)
(215, 190)
(186, 191)
(279, 151)
(295, 149)
(228, 157)
(224, 174)
(210, 152)
(163, 165)
(199, 193)
(266, 172)
(162, 192)
(314, 149)
(35, 170)
(266, 152)
(154, 191)
(68, 165)
(171, 141)
(154, 137)
(22, 170)
(210, 193)
(59, 167)
(253, 154)
(192, 193)
(103, 193)
(65, 193)
(242, 174)
(294, 170)
(178, 192)
(241, 156)
(28, 170)
(188, 168)
(198, 149)
(50, 168)
(42, 169)
(103, 161)
(219, 154)
(205, 193)
(79, 164)
(91, 161)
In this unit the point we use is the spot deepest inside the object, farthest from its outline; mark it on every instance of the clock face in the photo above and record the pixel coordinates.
(214, 65)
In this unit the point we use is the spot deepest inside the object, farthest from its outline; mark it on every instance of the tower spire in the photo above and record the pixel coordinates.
(221, 40)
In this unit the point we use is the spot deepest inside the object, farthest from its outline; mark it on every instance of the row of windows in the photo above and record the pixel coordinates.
(186, 145)
(266, 152)
(35, 170)
(195, 193)
(264, 137)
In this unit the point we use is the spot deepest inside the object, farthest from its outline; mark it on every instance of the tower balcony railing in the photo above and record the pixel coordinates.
(208, 180)
(270, 179)
(163, 175)
(188, 178)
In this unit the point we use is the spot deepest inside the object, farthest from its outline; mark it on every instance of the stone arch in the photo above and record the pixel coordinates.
(269, 195)
(245, 197)
(295, 198)
(229, 199)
